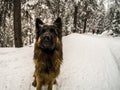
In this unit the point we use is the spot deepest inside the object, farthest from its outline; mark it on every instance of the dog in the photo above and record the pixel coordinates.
(47, 53)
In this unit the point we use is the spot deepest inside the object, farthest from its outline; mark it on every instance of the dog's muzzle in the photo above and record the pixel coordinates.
(47, 38)
(47, 42)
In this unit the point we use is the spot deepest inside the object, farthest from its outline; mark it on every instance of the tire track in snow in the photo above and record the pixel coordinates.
(113, 45)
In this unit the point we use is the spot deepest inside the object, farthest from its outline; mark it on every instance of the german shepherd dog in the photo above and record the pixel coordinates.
(47, 53)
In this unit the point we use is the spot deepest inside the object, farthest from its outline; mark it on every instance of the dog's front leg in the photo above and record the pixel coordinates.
(34, 83)
(50, 85)
(39, 84)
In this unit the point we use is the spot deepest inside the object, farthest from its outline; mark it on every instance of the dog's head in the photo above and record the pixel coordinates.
(47, 35)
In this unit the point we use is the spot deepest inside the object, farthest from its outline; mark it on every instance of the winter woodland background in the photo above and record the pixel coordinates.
(91, 61)
(17, 18)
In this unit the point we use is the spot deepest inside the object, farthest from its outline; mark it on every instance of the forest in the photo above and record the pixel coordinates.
(17, 18)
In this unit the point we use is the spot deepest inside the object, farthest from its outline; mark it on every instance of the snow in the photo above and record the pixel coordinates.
(107, 33)
(16, 68)
(30, 2)
(90, 62)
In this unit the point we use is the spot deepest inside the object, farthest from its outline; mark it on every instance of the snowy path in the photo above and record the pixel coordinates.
(90, 63)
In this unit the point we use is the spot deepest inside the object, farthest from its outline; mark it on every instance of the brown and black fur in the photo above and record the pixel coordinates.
(47, 53)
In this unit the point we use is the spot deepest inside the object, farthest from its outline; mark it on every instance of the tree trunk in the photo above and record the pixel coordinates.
(86, 17)
(85, 22)
(58, 8)
(75, 18)
(17, 23)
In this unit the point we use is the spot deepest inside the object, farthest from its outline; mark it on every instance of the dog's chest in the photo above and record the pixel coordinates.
(48, 66)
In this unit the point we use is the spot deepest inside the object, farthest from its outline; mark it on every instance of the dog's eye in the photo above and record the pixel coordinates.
(52, 30)
(43, 30)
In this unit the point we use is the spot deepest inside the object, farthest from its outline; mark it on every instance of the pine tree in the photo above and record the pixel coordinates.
(17, 24)
(116, 21)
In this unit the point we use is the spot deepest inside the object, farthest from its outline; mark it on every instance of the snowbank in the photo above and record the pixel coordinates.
(107, 33)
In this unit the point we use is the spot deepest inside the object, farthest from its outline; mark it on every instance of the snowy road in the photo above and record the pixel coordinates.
(90, 63)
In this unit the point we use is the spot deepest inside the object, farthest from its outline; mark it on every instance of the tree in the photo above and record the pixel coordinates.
(86, 9)
(113, 17)
(17, 23)
(75, 17)
(89, 7)
(116, 21)
(6, 8)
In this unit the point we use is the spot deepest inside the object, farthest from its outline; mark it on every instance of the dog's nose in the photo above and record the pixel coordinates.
(47, 38)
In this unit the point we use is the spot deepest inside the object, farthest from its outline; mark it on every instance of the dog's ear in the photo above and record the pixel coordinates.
(38, 25)
(58, 23)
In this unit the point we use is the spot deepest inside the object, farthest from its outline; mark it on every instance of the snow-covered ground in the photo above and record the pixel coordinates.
(90, 62)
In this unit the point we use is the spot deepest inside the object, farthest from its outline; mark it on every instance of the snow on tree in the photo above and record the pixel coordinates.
(116, 21)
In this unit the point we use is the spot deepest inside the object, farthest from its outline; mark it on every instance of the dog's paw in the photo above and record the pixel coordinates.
(34, 83)
(55, 82)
